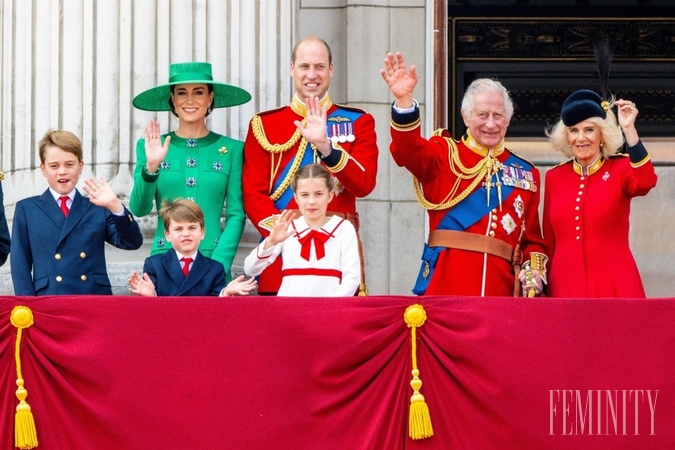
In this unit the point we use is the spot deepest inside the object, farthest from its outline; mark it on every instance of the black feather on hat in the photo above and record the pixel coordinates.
(603, 58)
(583, 104)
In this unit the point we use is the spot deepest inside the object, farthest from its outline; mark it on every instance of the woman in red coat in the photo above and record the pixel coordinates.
(587, 199)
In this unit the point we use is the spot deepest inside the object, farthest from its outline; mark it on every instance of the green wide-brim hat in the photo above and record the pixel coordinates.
(157, 98)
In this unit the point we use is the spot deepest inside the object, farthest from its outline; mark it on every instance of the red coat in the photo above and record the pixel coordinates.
(353, 164)
(465, 272)
(586, 224)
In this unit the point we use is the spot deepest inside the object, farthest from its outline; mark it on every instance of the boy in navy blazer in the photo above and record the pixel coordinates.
(58, 238)
(185, 271)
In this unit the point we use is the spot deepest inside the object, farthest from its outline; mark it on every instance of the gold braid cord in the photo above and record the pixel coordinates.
(259, 134)
(291, 172)
(477, 173)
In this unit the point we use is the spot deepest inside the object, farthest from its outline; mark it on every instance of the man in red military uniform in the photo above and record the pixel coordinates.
(482, 199)
(311, 129)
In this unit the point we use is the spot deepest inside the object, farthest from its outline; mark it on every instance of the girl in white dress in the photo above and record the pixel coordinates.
(320, 254)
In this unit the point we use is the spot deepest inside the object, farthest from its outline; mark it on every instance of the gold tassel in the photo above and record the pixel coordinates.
(25, 436)
(419, 421)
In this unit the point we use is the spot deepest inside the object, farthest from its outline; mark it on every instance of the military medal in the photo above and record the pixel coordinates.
(343, 134)
(334, 134)
(350, 132)
(518, 177)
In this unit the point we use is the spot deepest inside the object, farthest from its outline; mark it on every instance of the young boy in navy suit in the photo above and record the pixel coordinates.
(58, 238)
(185, 271)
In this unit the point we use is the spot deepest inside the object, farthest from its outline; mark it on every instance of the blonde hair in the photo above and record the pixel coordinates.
(609, 130)
(180, 210)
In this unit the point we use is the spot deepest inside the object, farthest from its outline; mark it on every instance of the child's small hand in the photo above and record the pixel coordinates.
(280, 231)
(141, 285)
(101, 194)
(240, 286)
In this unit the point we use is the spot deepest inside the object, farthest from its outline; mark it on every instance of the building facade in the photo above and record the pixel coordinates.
(77, 64)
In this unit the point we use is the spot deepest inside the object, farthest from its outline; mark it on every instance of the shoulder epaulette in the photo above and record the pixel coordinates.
(441, 132)
(520, 157)
(351, 108)
(569, 161)
(619, 155)
(270, 111)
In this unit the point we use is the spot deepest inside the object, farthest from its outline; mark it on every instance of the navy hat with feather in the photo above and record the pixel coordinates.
(580, 106)
(584, 104)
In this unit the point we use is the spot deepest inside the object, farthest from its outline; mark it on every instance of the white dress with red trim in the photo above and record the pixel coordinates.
(315, 263)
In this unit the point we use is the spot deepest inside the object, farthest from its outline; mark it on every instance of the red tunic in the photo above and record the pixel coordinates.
(586, 224)
(353, 164)
(465, 272)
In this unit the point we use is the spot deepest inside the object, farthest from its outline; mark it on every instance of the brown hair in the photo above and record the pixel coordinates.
(311, 38)
(313, 170)
(180, 210)
(65, 140)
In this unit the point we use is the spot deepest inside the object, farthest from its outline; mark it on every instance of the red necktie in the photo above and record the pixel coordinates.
(186, 265)
(64, 205)
(319, 239)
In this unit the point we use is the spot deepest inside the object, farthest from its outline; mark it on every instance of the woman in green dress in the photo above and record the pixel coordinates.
(192, 162)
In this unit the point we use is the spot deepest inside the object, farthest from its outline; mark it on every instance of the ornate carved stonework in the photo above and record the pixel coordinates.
(541, 61)
(562, 39)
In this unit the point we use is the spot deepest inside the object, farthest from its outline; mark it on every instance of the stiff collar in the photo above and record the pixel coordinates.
(470, 142)
(298, 106)
(591, 169)
(180, 255)
(57, 196)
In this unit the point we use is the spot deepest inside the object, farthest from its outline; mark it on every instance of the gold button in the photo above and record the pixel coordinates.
(580, 193)
(581, 186)
(493, 225)
(578, 228)
(578, 199)
(83, 278)
(492, 233)
(578, 238)
(59, 279)
(576, 208)
(57, 256)
(494, 211)
(83, 255)
(576, 218)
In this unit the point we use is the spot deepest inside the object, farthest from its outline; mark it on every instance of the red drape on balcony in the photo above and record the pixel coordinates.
(290, 373)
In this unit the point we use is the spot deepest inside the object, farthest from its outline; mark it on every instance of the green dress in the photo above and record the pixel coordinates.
(206, 170)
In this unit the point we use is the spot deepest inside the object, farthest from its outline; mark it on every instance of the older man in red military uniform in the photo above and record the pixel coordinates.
(311, 129)
(481, 198)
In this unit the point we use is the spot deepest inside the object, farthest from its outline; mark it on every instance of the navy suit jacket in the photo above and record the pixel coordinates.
(206, 277)
(57, 255)
(4, 231)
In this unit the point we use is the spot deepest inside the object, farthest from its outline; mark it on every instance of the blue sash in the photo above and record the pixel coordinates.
(341, 117)
(459, 218)
(282, 202)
